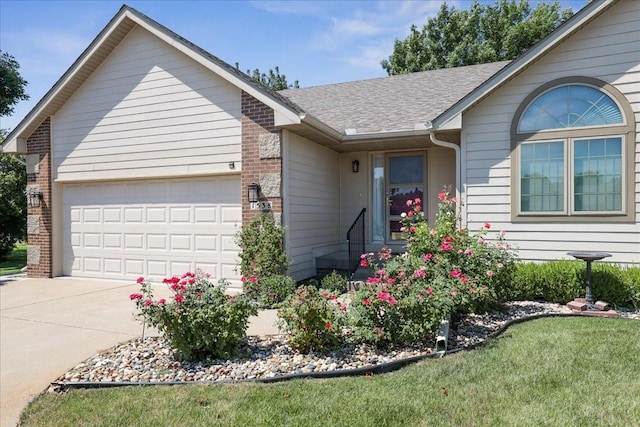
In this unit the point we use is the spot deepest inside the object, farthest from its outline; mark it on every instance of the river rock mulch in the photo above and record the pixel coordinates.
(150, 360)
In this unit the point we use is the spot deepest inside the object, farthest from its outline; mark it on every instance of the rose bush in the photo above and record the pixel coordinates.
(200, 320)
(445, 270)
(313, 318)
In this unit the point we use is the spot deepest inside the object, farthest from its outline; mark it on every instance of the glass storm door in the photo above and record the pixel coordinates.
(406, 179)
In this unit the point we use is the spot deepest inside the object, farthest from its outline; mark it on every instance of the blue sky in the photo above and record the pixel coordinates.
(315, 42)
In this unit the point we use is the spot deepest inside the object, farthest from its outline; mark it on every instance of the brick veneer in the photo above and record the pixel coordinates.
(40, 143)
(257, 119)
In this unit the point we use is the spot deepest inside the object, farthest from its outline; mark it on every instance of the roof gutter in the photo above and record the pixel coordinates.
(456, 149)
(352, 135)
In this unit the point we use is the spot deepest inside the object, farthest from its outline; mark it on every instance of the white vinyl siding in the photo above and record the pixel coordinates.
(147, 111)
(151, 228)
(606, 49)
(312, 210)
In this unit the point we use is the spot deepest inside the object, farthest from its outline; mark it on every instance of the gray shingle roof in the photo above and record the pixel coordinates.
(391, 103)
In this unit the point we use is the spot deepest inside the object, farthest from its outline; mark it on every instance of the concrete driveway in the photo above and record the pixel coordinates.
(48, 326)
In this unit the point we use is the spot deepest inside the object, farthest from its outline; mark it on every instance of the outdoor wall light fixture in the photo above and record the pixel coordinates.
(34, 196)
(355, 166)
(252, 192)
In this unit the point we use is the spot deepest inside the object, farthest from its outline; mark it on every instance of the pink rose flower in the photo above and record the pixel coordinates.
(140, 280)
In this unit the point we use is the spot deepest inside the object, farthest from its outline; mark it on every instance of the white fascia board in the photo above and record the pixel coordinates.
(455, 123)
(14, 145)
(578, 20)
(383, 135)
(321, 127)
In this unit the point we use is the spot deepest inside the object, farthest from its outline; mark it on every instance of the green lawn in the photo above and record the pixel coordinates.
(573, 371)
(16, 261)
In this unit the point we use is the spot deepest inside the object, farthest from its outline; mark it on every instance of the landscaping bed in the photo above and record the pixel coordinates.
(151, 360)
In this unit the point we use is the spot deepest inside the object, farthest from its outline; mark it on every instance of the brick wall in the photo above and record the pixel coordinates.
(261, 166)
(39, 255)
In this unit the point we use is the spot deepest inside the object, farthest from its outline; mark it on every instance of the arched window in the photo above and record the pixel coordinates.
(571, 156)
(570, 106)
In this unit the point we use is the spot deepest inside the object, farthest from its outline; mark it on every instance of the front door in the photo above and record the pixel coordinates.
(405, 180)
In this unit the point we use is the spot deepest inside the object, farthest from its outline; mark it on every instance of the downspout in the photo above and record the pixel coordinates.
(456, 149)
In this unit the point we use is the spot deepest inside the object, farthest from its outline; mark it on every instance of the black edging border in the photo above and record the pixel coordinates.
(364, 371)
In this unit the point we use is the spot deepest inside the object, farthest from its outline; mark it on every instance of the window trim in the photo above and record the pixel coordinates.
(568, 149)
(625, 131)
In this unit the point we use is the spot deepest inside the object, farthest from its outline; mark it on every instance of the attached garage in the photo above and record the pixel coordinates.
(151, 228)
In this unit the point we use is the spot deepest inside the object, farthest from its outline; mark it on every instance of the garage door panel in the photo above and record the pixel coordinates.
(206, 215)
(91, 216)
(230, 215)
(181, 242)
(133, 241)
(206, 243)
(113, 266)
(156, 215)
(133, 215)
(92, 265)
(153, 229)
(113, 241)
(134, 267)
(91, 240)
(156, 242)
(112, 215)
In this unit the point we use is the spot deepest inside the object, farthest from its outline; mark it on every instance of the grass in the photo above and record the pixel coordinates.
(16, 260)
(548, 372)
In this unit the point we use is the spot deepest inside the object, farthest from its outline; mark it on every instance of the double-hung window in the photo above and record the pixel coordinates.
(571, 156)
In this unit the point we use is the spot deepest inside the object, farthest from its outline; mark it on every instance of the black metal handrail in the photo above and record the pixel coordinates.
(355, 240)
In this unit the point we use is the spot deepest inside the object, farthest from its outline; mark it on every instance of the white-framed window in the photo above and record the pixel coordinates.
(570, 152)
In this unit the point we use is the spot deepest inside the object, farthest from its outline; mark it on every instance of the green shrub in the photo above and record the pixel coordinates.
(201, 321)
(386, 314)
(335, 282)
(313, 319)
(262, 252)
(562, 281)
(445, 270)
(270, 290)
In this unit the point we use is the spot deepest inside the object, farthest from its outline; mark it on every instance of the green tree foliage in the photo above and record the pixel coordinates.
(13, 203)
(11, 84)
(481, 34)
(13, 175)
(273, 80)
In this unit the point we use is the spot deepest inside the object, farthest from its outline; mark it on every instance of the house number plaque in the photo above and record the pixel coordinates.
(263, 206)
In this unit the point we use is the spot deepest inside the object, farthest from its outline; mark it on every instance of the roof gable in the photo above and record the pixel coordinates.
(103, 45)
(587, 14)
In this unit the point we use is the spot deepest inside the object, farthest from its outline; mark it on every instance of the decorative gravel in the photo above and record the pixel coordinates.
(150, 360)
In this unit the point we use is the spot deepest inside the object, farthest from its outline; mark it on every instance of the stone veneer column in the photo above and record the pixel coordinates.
(39, 231)
(261, 157)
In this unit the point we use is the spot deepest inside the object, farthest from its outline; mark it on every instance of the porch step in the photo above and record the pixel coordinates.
(338, 261)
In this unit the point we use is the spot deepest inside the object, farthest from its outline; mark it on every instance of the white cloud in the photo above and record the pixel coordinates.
(293, 7)
(362, 36)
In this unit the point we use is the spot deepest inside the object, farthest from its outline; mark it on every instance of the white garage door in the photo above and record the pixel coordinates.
(155, 229)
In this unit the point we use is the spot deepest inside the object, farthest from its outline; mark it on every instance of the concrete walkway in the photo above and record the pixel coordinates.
(48, 326)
